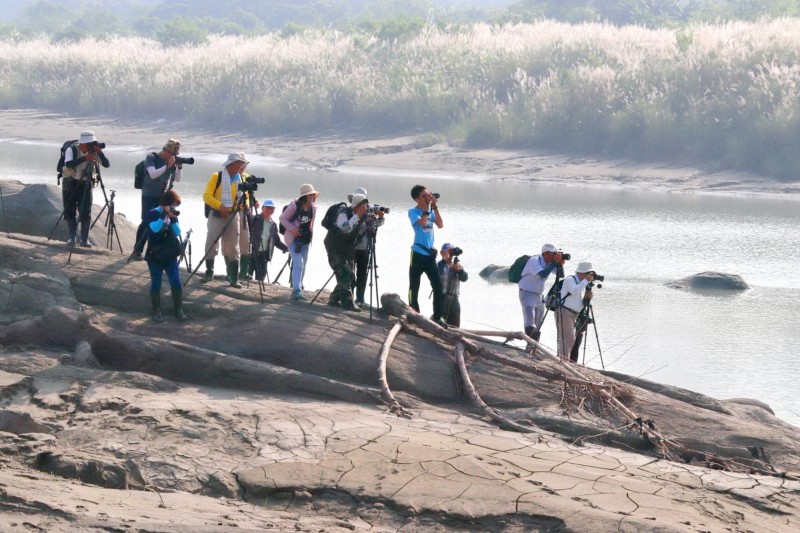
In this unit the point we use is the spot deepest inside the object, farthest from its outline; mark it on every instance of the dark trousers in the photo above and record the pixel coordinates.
(157, 271)
(342, 265)
(362, 262)
(258, 265)
(148, 203)
(427, 264)
(452, 310)
(77, 197)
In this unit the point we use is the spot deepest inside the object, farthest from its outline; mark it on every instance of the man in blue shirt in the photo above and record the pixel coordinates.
(424, 216)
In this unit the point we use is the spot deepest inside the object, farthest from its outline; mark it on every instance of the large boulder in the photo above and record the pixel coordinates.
(710, 281)
(495, 274)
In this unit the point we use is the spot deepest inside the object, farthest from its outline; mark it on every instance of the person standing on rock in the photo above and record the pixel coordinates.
(163, 250)
(531, 287)
(80, 175)
(265, 238)
(573, 297)
(221, 197)
(340, 244)
(298, 219)
(452, 274)
(364, 249)
(162, 169)
(424, 216)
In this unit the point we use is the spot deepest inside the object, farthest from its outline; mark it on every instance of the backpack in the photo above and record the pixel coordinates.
(281, 227)
(515, 270)
(206, 207)
(329, 220)
(140, 172)
(554, 300)
(60, 166)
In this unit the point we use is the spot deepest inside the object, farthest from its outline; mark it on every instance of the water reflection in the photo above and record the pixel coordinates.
(730, 345)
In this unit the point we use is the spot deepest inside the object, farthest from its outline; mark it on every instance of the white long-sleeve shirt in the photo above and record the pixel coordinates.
(572, 292)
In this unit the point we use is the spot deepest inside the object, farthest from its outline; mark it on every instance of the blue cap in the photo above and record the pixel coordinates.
(446, 246)
(268, 203)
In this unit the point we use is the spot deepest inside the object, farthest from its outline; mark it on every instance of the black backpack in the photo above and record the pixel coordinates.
(281, 227)
(329, 220)
(140, 172)
(60, 165)
(515, 270)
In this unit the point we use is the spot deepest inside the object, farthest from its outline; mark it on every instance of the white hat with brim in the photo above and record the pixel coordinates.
(234, 158)
(87, 137)
(551, 248)
(357, 199)
(306, 189)
(584, 267)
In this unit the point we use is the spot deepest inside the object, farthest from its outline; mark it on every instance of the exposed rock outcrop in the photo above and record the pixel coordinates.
(495, 273)
(710, 281)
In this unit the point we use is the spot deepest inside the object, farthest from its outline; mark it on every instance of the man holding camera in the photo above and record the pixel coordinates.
(452, 274)
(576, 291)
(163, 168)
(424, 216)
(364, 246)
(340, 244)
(222, 198)
(531, 287)
(80, 174)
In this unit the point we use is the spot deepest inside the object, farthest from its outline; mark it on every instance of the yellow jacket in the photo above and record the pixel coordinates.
(213, 193)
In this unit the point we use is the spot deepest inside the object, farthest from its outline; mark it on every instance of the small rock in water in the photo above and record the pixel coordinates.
(710, 281)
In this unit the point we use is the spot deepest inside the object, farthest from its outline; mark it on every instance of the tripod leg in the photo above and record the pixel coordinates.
(322, 289)
(597, 338)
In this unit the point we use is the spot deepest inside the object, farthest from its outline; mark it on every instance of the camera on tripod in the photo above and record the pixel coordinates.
(184, 160)
(374, 208)
(251, 183)
(455, 251)
(564, 255)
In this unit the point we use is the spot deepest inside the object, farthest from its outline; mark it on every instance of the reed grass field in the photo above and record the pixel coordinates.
(723, 95)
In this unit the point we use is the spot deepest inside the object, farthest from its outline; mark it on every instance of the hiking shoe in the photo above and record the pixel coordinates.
(299, 296)
(71, 241)
(137, 256)
(86, 244)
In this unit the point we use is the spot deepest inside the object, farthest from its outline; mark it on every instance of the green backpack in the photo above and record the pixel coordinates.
(515, 270)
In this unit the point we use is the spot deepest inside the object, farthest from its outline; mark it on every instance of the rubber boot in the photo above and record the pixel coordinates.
(155, 299)
(349, 305)
(535, 336)
(209, 271)
(529, 331)
(244, 267)
(72, 224)
(85, 235)
(233, 274)
(177, 301)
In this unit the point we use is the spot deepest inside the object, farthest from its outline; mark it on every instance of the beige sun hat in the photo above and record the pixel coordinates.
(235, 157)
(306, 189)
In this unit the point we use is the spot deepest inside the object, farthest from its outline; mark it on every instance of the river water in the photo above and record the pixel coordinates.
(722, 344)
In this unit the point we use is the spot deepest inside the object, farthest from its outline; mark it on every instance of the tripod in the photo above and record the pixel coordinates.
(253, 248)
(288, 263)
(186, 245)
(231, 218)
(585, 318)
(109, 223)
(372, 268)
(86, 189)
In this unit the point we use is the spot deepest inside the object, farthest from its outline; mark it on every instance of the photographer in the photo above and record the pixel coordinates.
(222, 197)
(80, 175)
(247, 220)
(162, 170)
(265, 238)
(531, 287)
(364, 247)
(298, 219)
(452, 274)
(163, 251)
(340, 244)
(575, 293)
(424, 216)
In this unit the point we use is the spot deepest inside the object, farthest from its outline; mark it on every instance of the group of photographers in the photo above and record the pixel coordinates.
(248, 241)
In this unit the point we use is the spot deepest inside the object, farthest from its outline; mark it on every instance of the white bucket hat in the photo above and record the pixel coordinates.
(549, 248)
(356, 199)
(357, 190)
(87, 137)
(584, 267)
(234, 157)
(306, 189)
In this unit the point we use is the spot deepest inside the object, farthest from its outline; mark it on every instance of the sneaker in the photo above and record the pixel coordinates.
(86, 244)
(71, 241)
(299, 296)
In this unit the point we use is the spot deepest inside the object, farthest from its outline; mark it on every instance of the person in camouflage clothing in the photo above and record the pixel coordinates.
(340, 244)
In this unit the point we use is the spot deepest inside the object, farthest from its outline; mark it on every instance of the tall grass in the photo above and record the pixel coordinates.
(726, 94)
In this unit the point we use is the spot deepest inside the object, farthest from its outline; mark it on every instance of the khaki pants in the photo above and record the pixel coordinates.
(565, 330)
(230, 239)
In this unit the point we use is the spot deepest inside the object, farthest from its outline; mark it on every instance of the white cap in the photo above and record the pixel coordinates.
(584, 267)
(549, 248)
(87, 137)
(357, 190)
(357, 199)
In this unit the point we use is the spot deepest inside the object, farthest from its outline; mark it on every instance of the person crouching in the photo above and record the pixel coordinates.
(340, 244)
(265, 239)
(163, 251)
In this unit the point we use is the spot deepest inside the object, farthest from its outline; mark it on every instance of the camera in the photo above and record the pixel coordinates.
(247, 186)
(374, 208)
(565, 256)
(592, 285)
(255, 179)
(598, 277)
(184, 160)
(455, 251)
(94, 146)
(436, 195)
(175, 212)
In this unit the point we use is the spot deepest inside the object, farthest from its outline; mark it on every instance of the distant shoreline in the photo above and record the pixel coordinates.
(399, 154)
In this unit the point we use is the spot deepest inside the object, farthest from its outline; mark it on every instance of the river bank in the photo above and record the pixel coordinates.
(410, 155)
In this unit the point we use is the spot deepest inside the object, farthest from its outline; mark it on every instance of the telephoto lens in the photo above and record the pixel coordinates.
(184, 160)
